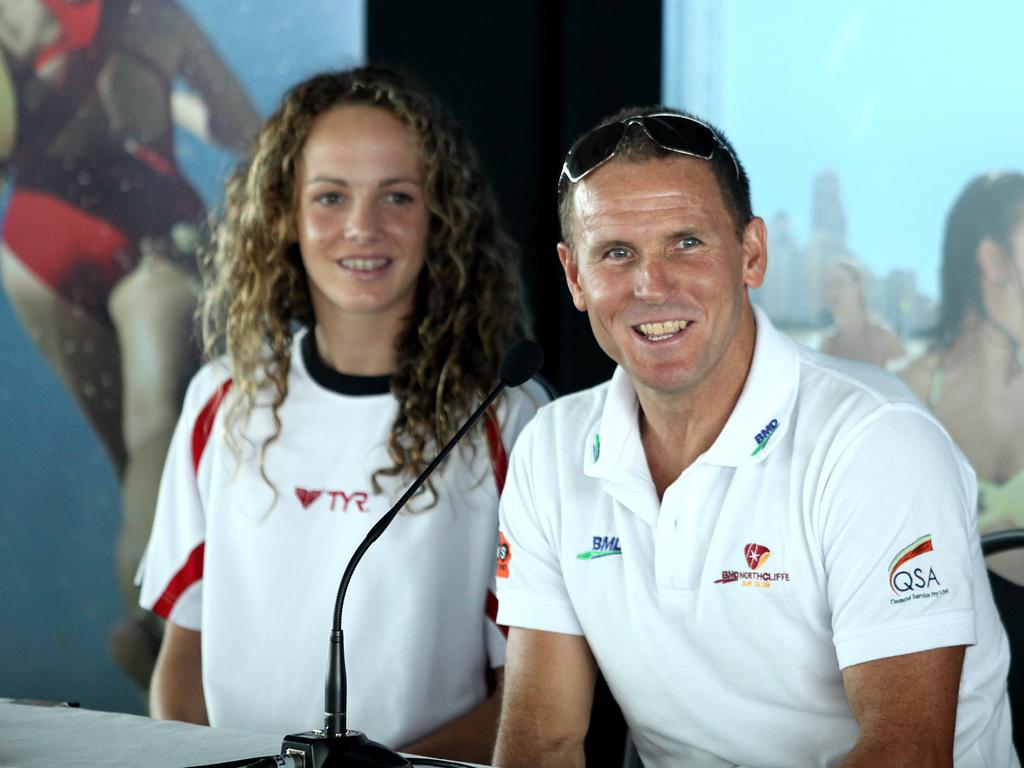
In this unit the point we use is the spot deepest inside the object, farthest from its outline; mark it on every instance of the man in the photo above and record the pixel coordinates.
(771, 554)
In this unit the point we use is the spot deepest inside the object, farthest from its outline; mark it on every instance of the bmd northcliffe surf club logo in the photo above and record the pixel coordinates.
(756, 556)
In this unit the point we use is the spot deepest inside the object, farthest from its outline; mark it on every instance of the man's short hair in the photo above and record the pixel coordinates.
(637, 146)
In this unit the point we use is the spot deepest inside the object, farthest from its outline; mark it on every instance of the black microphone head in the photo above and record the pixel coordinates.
(522, 360)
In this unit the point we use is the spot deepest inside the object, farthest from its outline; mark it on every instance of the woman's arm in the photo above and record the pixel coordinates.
(470, 737)
(176, 690)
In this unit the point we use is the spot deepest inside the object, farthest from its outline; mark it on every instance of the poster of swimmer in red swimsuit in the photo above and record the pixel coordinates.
(118, 121)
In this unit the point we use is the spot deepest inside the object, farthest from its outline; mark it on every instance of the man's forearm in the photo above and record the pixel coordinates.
(884, 752)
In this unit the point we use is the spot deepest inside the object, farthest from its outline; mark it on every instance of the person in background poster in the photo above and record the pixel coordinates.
(973, 376)
(101, 228)
(857, 334)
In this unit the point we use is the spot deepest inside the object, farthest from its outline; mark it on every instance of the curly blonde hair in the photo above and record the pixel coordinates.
(468, 305)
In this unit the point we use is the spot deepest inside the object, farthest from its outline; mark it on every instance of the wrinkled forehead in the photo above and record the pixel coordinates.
(647, 189)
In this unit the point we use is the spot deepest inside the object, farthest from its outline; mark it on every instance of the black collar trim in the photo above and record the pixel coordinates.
(336, 381)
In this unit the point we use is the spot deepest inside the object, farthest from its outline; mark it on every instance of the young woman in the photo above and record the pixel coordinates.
(365, 293)
(973, 377)
(857, 334)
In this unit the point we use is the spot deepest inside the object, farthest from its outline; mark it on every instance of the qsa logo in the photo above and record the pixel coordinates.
(904, 579)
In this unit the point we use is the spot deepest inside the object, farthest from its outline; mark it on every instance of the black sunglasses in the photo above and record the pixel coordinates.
(675, 133)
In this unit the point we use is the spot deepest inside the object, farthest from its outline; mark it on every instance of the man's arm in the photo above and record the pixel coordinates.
(176, 690)
(906, 709)
(469, 737)
(549, 689)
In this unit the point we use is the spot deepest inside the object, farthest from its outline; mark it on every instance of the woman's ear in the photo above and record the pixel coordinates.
(991, 261)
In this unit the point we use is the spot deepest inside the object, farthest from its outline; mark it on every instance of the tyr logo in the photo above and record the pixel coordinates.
(360, 499)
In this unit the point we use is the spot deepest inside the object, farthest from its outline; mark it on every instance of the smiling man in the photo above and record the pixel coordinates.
(770, 554)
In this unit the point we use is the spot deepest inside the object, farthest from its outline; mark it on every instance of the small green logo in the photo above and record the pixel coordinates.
(594, 555)
(597, 446)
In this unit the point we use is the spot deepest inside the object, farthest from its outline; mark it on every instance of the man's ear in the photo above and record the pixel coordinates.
(572, 276)
(755, 252)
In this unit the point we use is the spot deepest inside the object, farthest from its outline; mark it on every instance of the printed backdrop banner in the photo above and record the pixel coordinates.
(119, 121)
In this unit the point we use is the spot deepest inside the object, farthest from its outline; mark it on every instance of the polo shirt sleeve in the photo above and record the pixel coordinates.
(900, 540)
(516, 409)
(531, 591)
(171, 572)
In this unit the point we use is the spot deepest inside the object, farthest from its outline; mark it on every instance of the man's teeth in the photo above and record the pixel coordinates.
(664, 330)
(363, 264)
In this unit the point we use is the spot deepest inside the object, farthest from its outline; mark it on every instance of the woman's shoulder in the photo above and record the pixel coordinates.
(920, 375)
(211, 380)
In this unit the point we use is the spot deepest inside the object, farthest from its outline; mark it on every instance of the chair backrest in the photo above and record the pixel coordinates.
(1009, 599)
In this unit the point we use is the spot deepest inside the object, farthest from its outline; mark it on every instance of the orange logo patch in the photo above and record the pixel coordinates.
(504, 555)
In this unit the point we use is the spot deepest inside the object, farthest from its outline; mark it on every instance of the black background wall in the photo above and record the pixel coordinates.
(525, 79)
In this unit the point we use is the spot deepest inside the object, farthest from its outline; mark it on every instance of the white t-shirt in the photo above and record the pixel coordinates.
(832, 522)
(257, 574)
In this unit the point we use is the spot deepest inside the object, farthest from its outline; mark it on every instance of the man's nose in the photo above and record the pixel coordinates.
(361, 225)
(653, 284)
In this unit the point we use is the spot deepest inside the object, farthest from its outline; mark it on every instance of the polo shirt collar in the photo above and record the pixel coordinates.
(760, 418)
(617, 434)
(763, 412)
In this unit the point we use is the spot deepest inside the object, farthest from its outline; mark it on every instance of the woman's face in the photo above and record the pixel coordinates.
(842, 294)
(360, 215)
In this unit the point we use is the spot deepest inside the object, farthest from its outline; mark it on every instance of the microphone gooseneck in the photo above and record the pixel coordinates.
(522, 360)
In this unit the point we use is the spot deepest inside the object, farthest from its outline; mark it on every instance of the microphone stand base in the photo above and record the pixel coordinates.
(353, 750)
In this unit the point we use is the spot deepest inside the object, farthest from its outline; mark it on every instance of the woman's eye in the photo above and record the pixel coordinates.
(399, 198)
(327, 198)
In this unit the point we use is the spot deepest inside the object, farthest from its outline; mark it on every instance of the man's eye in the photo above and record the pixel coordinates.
(617, 253)
(686, 243)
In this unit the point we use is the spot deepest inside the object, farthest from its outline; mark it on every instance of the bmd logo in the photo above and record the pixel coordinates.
(601, 546)
(761, 438)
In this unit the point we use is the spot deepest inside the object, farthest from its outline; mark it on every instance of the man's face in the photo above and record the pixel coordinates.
(656, 264)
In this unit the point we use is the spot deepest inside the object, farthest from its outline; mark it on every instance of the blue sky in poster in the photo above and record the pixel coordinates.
(904, 101)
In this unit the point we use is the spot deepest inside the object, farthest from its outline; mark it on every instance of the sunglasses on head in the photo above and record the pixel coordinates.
(675, 133)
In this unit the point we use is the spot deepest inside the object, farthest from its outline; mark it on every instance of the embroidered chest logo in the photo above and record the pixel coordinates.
(762, 437)
(756, 556)
(340, 501)
(918, 581)
(601, 546)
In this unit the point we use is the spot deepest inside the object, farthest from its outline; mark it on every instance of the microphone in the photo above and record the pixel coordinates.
(335, 746)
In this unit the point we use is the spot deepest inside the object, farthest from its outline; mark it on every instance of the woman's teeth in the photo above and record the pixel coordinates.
(363, 265)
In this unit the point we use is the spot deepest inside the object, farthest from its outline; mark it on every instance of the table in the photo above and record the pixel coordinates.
(33, 736)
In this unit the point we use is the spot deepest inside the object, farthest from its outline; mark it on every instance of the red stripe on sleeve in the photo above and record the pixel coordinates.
(492, 612)
(190, 573)
(204, 424)
(499, 459)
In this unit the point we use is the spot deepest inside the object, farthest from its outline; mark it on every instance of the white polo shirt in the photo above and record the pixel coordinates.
(257, 572)
(831, 523)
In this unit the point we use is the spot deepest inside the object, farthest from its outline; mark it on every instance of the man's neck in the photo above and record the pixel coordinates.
(676, 428)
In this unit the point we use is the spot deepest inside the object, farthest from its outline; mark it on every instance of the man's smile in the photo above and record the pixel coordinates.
(660, 330)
